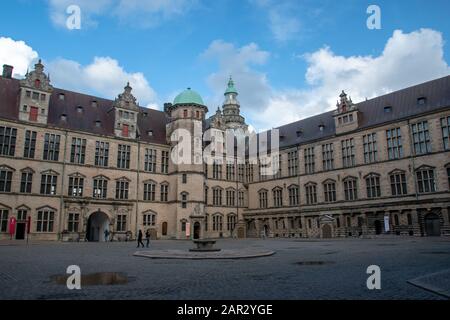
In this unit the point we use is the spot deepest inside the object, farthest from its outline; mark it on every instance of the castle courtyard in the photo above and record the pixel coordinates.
(411, 268)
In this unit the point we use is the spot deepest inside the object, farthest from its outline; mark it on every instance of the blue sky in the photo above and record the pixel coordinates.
(290, 59)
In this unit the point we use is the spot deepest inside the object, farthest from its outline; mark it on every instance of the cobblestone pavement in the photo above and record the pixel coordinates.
(25, 271)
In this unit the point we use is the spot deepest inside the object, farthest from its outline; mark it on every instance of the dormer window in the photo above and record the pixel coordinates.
(28, 93)
(94, 104)
(63, 117)
(80, 109)
(299, 133)
(421, 101)
(145, 114)
(98, 123)
(62, 96)
(321, 127)
(150, 133)
(35, 95)
(387, 109)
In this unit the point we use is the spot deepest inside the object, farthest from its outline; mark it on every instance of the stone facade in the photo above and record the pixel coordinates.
(74, 179)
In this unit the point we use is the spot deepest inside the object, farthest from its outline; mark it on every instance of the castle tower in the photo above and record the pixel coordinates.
(231, 109)
(185, 131)
(126, 113)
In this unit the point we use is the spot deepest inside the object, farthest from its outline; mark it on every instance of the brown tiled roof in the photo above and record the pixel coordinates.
(148, 119)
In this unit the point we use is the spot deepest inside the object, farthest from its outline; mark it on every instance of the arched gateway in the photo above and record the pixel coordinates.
(98, 222)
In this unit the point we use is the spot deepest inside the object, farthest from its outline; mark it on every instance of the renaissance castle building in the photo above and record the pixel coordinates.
(74, 165)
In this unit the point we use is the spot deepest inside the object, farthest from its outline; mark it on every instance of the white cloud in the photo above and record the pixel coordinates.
(17, 54)
(142, 13)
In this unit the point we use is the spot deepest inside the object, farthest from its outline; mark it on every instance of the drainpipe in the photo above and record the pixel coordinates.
(61, 203)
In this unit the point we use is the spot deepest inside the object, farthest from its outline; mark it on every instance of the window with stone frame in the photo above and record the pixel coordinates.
(8, 138)
(398, 183)
(6, 174)
(123, 156)
(164, 192)
(445, 128)
(100, 188)
(29, 147)
(149, 219)
(48, 183)
(150, 160)
(122, 186)
(76, 186)
(426, 179)
(249, 172)
(149, 191)
(78, 151)
(241, 172)
(217, 196)
(348, 153)
(293, 195)
(309, 160)
(231, 222)
(51, 146)
(217, 222)
(394, 143)
(45, 220)
(230, 171)
(293, 163)
(206, 222)
(277, 197)
(276, 162)
(370, 147)
(73, 222)
(230, 195)
(373, 186)
(206, 190)
(328, 156)
(350, 189)
(4, 220)
(101, 153)
(263, 199)
(448, 175)
(329, 190)
(241, 199)
(217, 170)
(164, 161)
(421, 138)
(311, 193)
(121, 223)
(184, 200)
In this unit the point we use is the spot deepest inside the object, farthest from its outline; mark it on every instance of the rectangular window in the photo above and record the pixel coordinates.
(370, 147)
(164, 192)
(184, 200)
(76, 185)
(329, 190)
(249, 172)
(101, 153)
(263, 199)
(448, 177)
(26, 182)
(350, 190)
(51, 146)
(231, 198)
(5, 180)
(293, 163)
(121, 223)
(78, 151)
(373, 186)
(445, 125)
(30, 144)
(311, 194)
(149, 191)
(230, 171)
(309, 160)
(398, 184)
(34, 111)
(241, 199)
(231, 222)
(8, 138)
(149, 220)
(73, 222)
(327, 156)
(348, 153)
(426, 181)
(122, 189)
(45, 221)
(217, 197)
(100, 188)
(123, 156)
(293, 196)
(394, 143)
(241, 172)
(4, 220)
(184, 178)
(278, 198)
(421, 138)
(217, 170)
(48, 184)
(125, 131)
(150, 160)
(165, 161)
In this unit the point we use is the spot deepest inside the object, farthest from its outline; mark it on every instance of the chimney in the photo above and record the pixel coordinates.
(7, 71)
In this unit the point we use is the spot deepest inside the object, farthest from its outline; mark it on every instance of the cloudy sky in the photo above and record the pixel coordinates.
(289, 59)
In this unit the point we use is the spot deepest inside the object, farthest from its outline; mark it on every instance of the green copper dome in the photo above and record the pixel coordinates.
(188, 96)
(231, 88)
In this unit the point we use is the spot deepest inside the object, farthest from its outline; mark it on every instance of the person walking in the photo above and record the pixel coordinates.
(106, 235)
(139, 239)
(147, 237)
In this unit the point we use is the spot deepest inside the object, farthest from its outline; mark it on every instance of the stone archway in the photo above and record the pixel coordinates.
(432, 225)
(164, 228)
(326, 231)
(98, 222)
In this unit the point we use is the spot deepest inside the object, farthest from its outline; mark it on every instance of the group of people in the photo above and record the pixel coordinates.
(141, 236)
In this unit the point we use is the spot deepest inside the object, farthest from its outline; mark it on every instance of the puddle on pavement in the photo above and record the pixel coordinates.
(95, 279)
(313, 263)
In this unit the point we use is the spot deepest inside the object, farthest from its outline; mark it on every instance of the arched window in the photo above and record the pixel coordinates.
(149, 219)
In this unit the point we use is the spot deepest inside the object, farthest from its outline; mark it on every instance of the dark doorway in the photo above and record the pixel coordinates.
(20, 231)
(197, 230)
(164, 229)
(97, 224)
(266, 230)
(432, 225)
(378, 227)
(326, 231)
